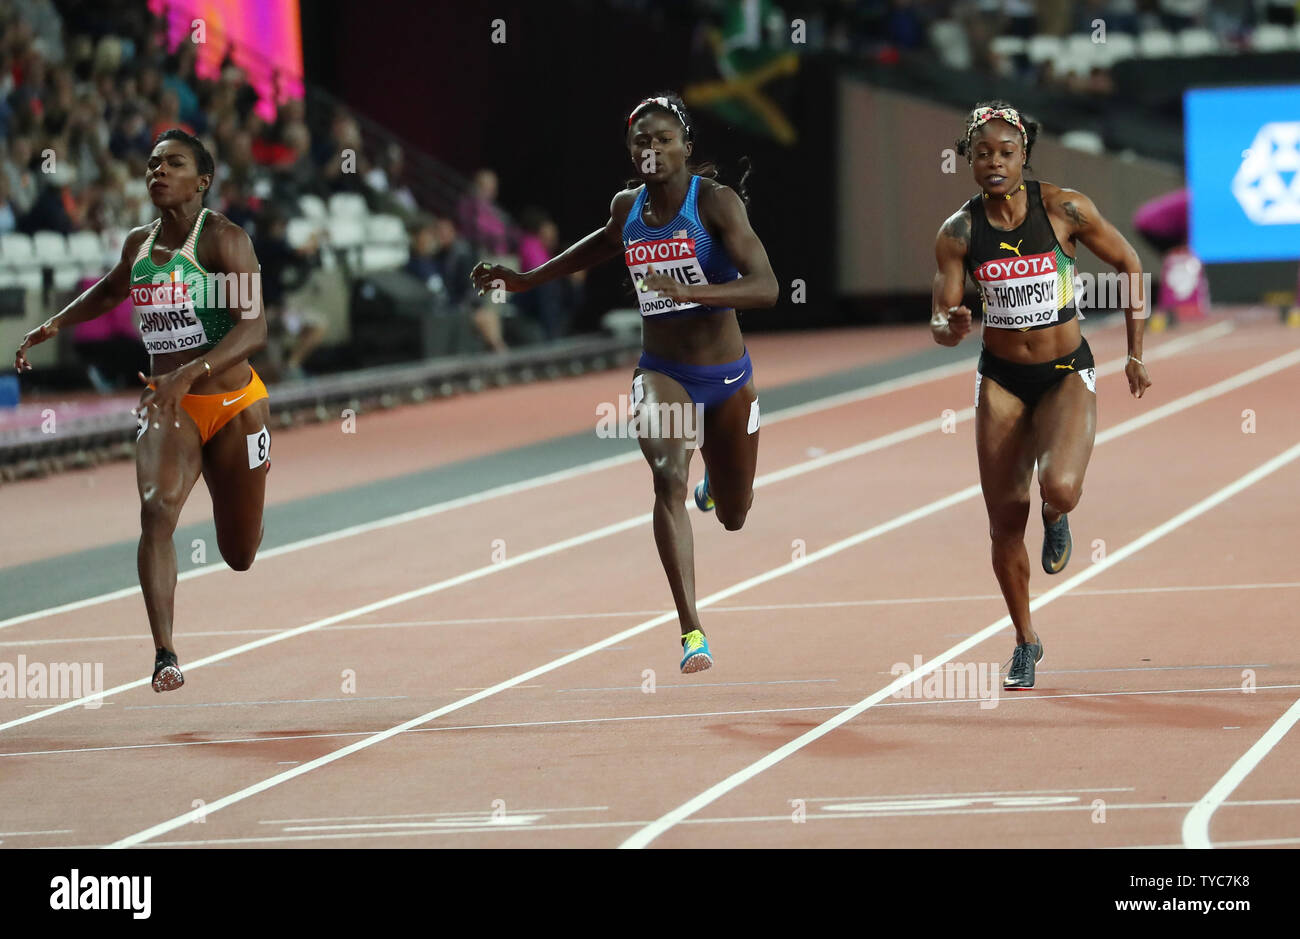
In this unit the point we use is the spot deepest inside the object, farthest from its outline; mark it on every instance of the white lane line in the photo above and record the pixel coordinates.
(467, 814)
(632, 614)
(1179, 404)
(709, 684)
(842, 545)
(849, 397)
(1259, 843)
(249, 791)
(781, 820)
(648, 834)
(240, 704)
(1235, 689)
(1126, 668)
(1196, 825)
(968, 795)
(161, 828)
(807, 466)
(52, 831)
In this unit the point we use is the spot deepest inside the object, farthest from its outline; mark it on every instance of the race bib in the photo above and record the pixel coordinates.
(1019, 292)
(168, 322)
(259, 448)
(672, 256)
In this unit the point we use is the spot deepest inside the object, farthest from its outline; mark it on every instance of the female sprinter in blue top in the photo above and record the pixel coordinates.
(694, 261)
(1035, 385)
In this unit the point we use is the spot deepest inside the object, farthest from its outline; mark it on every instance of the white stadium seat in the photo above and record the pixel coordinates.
(1157, 44)
(299, 231)
(386, 229)
(1082, 55)
(1193, 42)
(84, 248)
(1044, 49)
(66, 276)
(1118, 47)
(1007, 48)
(111, 241)
(1270, 37)
(27, 278)
(16, 249)
(950, 41)
(346, 232)
(312, 207)
(1084, 140)
(347, 205)
(383, 257)
(50, 247)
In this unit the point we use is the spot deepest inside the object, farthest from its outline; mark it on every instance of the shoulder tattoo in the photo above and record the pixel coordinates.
(958, 228)
(1074, 215)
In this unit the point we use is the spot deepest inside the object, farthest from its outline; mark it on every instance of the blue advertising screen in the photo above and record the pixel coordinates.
(1243, 171)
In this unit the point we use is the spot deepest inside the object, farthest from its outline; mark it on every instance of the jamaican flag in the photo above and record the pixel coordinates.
(742, 67)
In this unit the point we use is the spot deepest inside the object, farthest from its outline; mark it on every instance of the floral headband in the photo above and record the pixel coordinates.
(663, 103)
(981, 116)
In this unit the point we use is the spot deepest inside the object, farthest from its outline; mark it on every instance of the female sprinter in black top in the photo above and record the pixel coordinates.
(694, 261)
(194, 280)
(1034, 389)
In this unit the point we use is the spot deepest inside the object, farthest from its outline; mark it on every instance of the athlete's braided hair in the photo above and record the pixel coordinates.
(987, 111)
(669, 103)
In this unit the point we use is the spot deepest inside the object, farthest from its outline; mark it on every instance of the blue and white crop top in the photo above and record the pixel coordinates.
(682, 249)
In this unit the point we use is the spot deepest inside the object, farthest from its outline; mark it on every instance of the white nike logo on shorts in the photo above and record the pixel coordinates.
(225, 403)
(728, 381)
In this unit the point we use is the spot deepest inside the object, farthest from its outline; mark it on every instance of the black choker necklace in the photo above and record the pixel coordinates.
(1010, 194)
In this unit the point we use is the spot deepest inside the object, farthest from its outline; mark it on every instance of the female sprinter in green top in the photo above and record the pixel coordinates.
(193, 278)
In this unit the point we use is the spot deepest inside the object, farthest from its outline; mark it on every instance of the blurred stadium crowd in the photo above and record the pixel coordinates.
(86, 87)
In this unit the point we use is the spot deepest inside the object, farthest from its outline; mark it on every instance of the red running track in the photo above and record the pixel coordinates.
(1161, 670)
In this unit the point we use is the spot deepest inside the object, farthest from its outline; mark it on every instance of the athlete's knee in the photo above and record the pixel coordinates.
(1007, 524)
(1061, 490)
(670, 478)
(238, 557)
(159, 510)
(733, 515)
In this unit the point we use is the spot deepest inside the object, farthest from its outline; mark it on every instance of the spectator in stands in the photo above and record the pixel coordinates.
(442, 260)
(1182, 14)
(109, 346)
(8, 215)
(44, 24)
(169, 114)
(401, 201)
(292, 335)
(238, 204)
(343, 166)
(484, 225)
(551, 305)
(1021, 18)
(1119, 16)
(54, 208)
(1280, 12)
(297, 175)
(130, 138)
(23, 182)
(177, 70)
